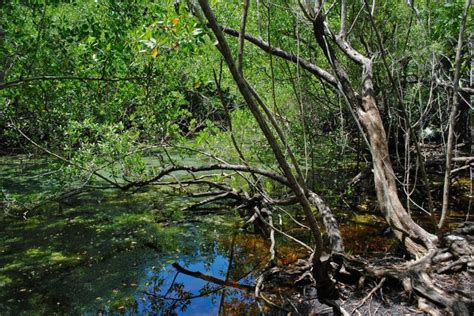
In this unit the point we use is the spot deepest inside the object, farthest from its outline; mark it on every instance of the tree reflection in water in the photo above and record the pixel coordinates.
(222, 285)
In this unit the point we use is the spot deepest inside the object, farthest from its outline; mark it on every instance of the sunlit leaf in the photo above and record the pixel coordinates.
(197, 32)
(154, 52)
(150, 43)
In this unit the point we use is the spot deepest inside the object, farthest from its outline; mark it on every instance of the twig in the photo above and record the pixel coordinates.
(378, 286)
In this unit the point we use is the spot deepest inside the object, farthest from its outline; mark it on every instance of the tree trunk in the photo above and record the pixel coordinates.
(417, 240)
(246, 92)
(451, 142)
(390, 205)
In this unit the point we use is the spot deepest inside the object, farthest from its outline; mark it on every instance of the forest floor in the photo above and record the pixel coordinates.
(382, 301)
(388, 294)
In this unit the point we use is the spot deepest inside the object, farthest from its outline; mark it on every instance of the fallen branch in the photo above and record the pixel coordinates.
(218, 196)
(212, 279)
(167, 171)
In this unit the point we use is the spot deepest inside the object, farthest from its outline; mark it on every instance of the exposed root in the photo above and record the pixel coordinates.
(441, 281)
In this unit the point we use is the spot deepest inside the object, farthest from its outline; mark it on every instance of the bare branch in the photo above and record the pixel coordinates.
(319, 72)
(243, 22)
(343, 30)
(452, 118)
(166, 171)
(212, 279)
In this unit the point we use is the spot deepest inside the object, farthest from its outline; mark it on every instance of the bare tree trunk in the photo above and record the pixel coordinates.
(390, 205)
(406, 230)
(471, 85)
(243, 22)
(3, 63)
(452, 119)
(252, 103)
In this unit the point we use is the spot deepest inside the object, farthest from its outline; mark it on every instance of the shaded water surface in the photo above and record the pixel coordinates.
(110, 251)
(113, 252)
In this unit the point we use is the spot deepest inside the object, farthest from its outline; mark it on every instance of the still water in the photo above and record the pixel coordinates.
(109, 252)
(113, 252)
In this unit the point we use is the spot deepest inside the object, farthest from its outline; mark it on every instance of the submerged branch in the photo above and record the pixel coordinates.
(212, 279)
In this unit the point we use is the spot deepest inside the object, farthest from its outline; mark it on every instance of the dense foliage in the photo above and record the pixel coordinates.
(118, 95)
(102, 82)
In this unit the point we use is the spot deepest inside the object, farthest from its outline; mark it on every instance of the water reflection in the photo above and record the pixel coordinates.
(105, 253)
(141, 282)
(171, 292)
(192, 286)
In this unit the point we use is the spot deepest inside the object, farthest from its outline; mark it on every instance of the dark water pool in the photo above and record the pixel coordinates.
(112, 252)
(43, 277)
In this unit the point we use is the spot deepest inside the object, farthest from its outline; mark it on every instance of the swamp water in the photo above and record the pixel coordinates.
(106, 253)
(111, 252)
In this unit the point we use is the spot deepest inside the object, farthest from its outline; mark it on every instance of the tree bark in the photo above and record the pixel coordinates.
(246, 92)
(365, 106)
(452, 119)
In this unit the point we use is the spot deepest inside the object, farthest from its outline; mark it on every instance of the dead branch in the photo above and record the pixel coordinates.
(330, 223)
(212, 279)
(193, 169)
(378, 286)
(452, 118)
(217, 197)
(319, 72)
